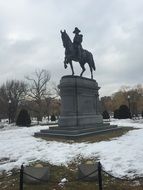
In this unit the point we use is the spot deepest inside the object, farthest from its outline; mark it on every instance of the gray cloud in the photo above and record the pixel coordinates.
(112, 30)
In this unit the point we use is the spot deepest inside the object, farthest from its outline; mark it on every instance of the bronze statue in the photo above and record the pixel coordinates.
(77, 43)
(75, 52)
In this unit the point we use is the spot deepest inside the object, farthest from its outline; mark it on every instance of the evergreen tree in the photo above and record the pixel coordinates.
(116, 114)
(53, 118)
(124, 112)
(23, 118)
(105, 115)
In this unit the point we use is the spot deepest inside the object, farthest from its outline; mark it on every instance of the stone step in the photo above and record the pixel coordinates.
(71, 136)
(74, 130)
(83, 127)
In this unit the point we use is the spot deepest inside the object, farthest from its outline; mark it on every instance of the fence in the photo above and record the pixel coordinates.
(99, 172)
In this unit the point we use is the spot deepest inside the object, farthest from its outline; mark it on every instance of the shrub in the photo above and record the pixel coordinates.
(53, 118)
(105, 115)
(124, 112)
(116, 114)
(23, 118)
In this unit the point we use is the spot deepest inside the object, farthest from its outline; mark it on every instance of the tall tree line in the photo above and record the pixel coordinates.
(33, 94)
(130, 96)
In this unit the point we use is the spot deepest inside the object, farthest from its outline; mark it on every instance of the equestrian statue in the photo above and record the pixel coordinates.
(75, 52)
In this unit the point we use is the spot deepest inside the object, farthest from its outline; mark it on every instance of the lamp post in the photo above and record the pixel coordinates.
(9, 111)
(129, 104)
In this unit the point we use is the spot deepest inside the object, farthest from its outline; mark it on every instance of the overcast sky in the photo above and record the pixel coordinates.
(112, 30)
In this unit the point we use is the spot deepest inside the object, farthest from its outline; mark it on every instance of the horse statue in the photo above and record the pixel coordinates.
(70, 55)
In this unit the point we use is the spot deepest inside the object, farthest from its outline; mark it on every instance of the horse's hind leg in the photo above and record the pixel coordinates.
(83, 69)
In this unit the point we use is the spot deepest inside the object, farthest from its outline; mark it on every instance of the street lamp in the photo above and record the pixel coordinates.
(129, 104)
(9, 111)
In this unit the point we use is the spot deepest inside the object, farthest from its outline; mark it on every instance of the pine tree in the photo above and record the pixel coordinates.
(116, 114)
(105, 115)
(53, 118)
(124, 112)
(23, 118)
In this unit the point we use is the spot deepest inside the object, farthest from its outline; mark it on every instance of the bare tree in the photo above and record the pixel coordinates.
(11, 94)
(38, 90)
(56, 90)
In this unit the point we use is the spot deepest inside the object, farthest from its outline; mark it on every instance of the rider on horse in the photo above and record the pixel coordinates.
(75, 52)
(77, 43)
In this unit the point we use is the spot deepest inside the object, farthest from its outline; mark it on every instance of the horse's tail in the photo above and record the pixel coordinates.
(92, 62)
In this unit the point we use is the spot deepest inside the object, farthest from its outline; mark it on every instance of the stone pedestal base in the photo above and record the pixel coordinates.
(80, 110)
(79, 102)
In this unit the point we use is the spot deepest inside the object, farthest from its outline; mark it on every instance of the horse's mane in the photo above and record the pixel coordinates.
(67, 37)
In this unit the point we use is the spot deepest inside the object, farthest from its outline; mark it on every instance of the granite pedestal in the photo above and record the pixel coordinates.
(79, 102)
(80, 110)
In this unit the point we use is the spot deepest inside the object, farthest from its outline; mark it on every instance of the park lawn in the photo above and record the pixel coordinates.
(11, 182)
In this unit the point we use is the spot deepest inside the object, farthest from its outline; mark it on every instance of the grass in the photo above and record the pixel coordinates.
(11, 182)
(70, 172)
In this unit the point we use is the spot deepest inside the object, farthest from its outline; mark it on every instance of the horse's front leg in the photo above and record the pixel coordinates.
(91, 72)
(71, 67)
(65, 63)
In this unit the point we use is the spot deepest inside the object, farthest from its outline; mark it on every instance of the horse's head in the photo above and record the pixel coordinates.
(64, 37)
(67, 43)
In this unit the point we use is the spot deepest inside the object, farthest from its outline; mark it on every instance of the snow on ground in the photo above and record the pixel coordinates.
(122, 156)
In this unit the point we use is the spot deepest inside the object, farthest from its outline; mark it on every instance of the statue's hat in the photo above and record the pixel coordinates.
(76, 30)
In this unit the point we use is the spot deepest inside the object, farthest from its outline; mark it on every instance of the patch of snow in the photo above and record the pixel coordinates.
(127, 123)
(62, 182)
(121, 156)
